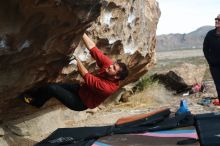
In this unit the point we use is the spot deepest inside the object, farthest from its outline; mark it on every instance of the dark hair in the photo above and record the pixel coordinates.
(123, 73)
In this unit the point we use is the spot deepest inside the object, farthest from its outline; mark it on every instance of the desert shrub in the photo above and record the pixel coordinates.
(144, 83)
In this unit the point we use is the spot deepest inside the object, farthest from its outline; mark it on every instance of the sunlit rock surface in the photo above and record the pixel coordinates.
(35, 40)
(126, 31)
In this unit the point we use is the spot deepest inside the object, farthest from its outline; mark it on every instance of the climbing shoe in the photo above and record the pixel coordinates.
(28, 99)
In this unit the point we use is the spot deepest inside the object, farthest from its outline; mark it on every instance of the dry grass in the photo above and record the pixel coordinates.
(149, 98)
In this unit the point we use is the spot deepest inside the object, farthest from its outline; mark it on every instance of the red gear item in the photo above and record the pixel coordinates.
(216, 102)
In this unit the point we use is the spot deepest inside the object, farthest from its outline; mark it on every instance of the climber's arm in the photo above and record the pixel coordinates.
(81, 68)
(88, 42)
(101, 59)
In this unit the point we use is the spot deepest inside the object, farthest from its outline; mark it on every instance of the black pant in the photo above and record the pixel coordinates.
(65, 93)
(215, 72)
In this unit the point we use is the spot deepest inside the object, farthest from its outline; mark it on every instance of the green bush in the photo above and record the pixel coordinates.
(144, 83)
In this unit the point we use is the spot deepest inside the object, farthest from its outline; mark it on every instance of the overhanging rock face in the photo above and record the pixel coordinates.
(35, 37)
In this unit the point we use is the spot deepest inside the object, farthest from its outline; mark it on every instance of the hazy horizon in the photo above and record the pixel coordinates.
(187, 32)
(186, 16)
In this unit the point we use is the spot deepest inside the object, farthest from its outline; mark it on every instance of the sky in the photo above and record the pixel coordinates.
(184, 16)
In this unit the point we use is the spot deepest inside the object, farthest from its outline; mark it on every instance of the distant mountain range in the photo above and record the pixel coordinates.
(192, 40)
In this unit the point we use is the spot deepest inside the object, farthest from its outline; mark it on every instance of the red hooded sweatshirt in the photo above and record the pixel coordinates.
(98, 87)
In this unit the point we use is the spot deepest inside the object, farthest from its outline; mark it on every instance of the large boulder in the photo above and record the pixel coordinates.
(182, 78)
(35, 41)
(36, 37)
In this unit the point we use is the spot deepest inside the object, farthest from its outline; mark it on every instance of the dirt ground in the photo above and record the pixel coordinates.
(179, 54)
(156, 96)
